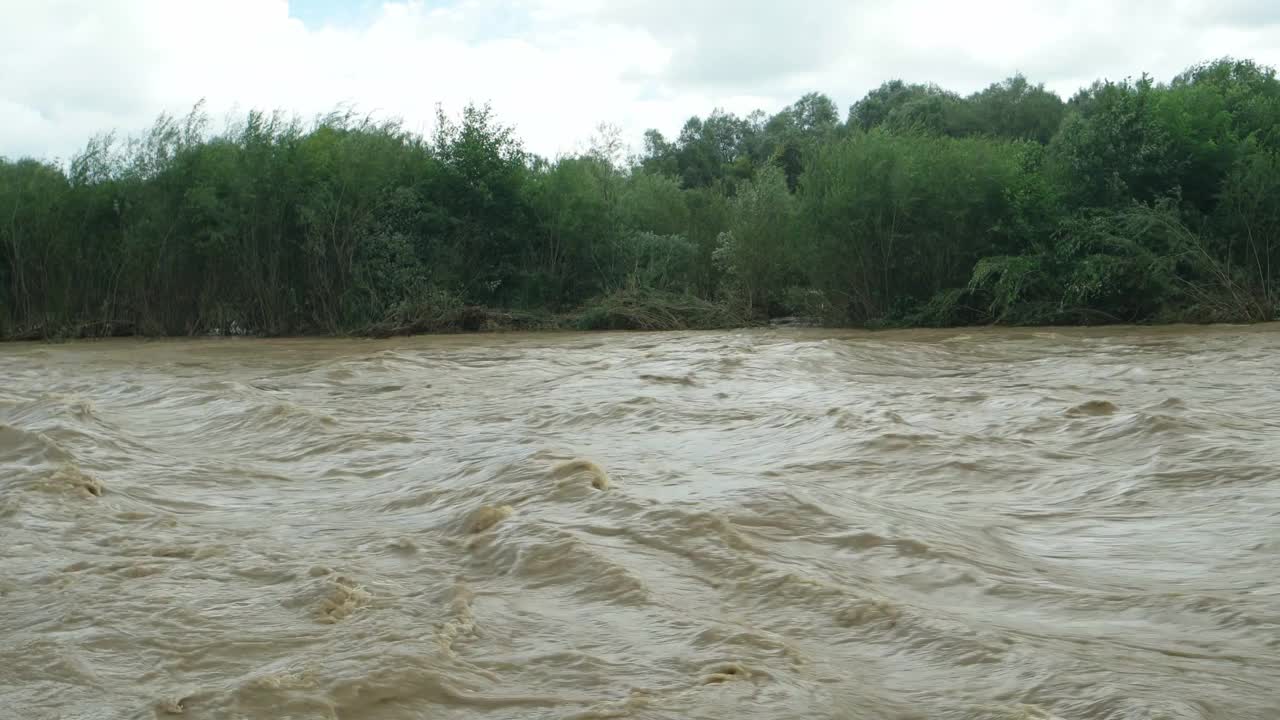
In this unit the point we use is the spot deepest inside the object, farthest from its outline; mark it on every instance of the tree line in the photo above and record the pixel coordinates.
(1131, 201)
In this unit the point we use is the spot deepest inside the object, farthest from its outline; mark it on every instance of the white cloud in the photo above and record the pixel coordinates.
(556, 68)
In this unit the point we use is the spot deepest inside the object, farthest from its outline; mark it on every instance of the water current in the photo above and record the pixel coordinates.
(970, 525)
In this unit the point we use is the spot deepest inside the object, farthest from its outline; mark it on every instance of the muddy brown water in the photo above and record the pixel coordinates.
(1007, 524)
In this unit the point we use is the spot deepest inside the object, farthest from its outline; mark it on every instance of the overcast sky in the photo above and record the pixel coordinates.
(557, 68)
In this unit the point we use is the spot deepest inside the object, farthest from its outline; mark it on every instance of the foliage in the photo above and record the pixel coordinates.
(639, 309)
(753, 253)
(882, 226)
(1134, 201)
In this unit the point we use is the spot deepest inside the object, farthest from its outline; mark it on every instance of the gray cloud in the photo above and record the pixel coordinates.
(1243, 13)
(848, 47)
(726, 45)
(555, 68)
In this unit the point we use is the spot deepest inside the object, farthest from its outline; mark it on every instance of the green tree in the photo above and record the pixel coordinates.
(1113, 148)
(1017, 110)
(903, 107)
(754, 252)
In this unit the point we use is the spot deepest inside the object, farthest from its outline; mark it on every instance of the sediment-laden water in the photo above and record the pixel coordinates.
(1004, 524)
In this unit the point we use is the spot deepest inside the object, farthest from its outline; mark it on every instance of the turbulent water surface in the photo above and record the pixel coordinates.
(765, 524)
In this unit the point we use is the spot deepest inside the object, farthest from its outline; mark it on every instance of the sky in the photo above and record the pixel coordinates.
(556, 69)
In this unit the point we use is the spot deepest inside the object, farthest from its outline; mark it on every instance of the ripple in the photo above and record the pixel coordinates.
(1018, 524)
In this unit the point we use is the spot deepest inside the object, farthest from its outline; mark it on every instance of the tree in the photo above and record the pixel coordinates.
(1017, 110)
(899, 106)
(754, 252)
(1113, 148)
(798, 129)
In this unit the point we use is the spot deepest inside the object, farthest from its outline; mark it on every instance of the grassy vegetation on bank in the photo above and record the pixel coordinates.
(1133, 201)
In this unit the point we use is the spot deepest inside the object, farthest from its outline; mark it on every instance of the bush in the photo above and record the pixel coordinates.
(649, 310)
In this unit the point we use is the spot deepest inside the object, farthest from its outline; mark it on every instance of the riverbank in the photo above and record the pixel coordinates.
(479, 320)
(625, 311)
(619, 311)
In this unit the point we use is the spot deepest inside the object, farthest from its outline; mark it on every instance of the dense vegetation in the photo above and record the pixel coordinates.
(1133, 201)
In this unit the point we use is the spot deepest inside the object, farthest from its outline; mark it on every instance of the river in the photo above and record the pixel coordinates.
(970, 524)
